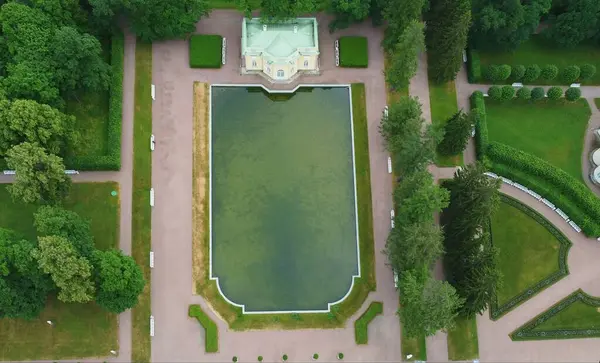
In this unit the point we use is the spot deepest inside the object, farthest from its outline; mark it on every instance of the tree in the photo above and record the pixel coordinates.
(573, 94)
(56, 221)
(570, 74)
(578, 23)
(414, 245)
(23, 287)
(587, 71)
(77, 60)
(399, 14)
(549, 72)
(417, 198)
(532, 73)
(554, 93)
(495, 93)
(348, 12)
(404, 60)
(505, 24)
(508, 93)
(471, 260)
(426, 305)
(40, 177)
(537, 93)
(518, 72)
(277, 10)
(29, 121)
(119, 280)
(524, 93)
(448, 24)
(457, 132)
(71, 273)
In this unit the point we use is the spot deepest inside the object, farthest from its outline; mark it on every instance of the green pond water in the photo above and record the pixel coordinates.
(283, 211)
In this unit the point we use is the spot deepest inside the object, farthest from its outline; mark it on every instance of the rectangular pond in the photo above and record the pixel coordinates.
(283, 211)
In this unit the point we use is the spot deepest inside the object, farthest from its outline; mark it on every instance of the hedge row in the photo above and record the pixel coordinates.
(567, 193)
(563, 269)
(361, 325)
(481, 130)
(111, 161)
(206, 51)
(528, 330)
(473, 66)
(211, 331)
(506, 93)
(354, 52)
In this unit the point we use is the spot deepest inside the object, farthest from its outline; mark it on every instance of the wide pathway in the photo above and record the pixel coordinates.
(179, 338)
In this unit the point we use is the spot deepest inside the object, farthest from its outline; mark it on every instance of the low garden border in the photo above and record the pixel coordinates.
(361, 325)
(525, 332)
(563, 269)
(211, 331)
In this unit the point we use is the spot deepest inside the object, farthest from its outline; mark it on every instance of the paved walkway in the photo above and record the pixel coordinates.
(172, 214)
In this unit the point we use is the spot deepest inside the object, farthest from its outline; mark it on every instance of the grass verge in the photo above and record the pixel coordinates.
(597, 102)
(361, 325)
(211, 332)
(141, 237)
(415, 346)
(533, 254)
(462, 340)
(442, 98)
(79, 330)
(364, 284)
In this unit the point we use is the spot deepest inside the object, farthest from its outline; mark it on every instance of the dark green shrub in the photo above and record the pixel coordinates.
(315, 356)
(567, 193)
(573, 94)
(361, 325)
(206, 51)
(508, 93)
(518, 72)
(473, 66)
(504, 72)
(524, 93)
(532, 73)
(260, 358)
(211, 340)
(234, 359)
(492, 73)
(284, 357)
(554, 93)
(481, 131)
(570, 74)
(340, 356)
(587, 72)
(354, 52)
(537, 93)
(549, 72)
(495, 93)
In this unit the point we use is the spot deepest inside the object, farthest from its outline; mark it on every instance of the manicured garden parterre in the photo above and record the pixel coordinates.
(206, 51)
(354, 52)
(79, 330)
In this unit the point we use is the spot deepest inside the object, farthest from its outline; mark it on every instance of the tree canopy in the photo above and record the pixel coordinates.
(404, 57)
(457, 131)
(580, 21)
(56, 221)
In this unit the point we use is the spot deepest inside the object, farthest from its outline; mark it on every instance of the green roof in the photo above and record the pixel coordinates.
(280, 39)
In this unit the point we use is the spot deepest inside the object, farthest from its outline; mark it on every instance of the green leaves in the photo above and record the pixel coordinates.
(457, 132)
(56, 221)
(404, 57)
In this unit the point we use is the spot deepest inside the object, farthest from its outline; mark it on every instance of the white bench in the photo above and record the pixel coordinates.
(337, 53)
(71, 172)
(224, 51)
(507, 181)
(517, 85)
(9, 172)
(562, 214)
(389, 164)
(547, 202)
(575, 226)
(575, 85)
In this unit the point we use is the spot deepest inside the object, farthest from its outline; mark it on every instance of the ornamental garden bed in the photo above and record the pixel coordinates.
(533, 254)
(354, 52)
(206, 51)
(79, 330)
(536, 51)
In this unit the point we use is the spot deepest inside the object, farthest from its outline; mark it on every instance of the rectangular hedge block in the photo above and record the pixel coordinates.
(354, 52)
(211, 337)
(361, 325)
(206, 51)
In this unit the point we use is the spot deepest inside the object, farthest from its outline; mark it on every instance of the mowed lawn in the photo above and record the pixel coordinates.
(91, 122)
(537, 51)
(442, 98)
(551, 130)
(528, 251)
(578, 315)
(463, 343)
(80, 330)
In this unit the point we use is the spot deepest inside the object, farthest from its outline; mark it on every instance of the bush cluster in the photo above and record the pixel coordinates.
(111, 161)
(508, 93)
(354, 52)
(497, 73)
(554, 93)
(206, 51)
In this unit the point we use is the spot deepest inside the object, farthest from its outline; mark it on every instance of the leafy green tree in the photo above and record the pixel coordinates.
(426, 305)
(549, 72)
(573, 94)
(532, 72)
(29, 121)
(413, 245)
(578, 23)
(404, 60)
(40, 177)
(505, 24)
(277, 10)
(587, 71)
(119, 280)
(62, 12)
(448, 23)
(348, 12)
(56, 221)
(457, 132)
(570, 74)
(554, 93)
(23, 287)
(399, 14)
(524, 93)
(77, 60)
(71, 273)
(518, 72)
(495, 93)
(508, 93)
(537, 93)
(417, 198)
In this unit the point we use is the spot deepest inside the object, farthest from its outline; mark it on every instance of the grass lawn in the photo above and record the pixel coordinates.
(551, 130)
(362, 286)
(415, 346)
(141, 238)
(529, 252)
(462, 340)
(577, 315)
(597, 102)
(91, 118)
(537, 51)
(80, 330)
(442, 98)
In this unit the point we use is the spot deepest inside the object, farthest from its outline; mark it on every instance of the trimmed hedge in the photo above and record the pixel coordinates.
(481, 130)
(570, 74)
(211, 331)
(549, 72)
(573, 94)
(361, 325)
(206, 51)
(111, 161)
(567, 193)
(473, 65)
(528, 330)
(537, 93)
(518, 72)
(354, 52)
(554, 93)
(563, 269)
(524, 93)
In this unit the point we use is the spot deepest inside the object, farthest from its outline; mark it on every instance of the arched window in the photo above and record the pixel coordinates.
(280, 73)
(254, 65)
(306, 63)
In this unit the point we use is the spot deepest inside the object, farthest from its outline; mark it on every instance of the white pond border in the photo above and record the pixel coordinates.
(216, 278)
